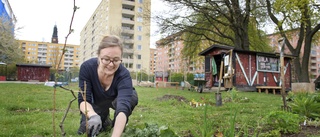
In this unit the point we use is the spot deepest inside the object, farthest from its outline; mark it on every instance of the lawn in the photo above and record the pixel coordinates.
(26, 110)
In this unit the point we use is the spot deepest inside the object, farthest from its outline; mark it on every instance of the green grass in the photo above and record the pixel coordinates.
(26, 110)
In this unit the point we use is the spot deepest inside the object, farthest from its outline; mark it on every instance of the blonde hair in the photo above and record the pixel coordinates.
(110, 41)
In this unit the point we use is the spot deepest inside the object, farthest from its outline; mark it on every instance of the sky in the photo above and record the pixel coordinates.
(36, 18)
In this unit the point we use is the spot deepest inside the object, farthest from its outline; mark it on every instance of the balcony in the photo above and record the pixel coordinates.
(127, 50)
(128, 12)
(128, 41)
(126, 61)
(127, 31)
(127, 21)
(313, 67)
(128, 2)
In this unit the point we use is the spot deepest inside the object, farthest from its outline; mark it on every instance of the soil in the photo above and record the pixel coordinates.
(178, 98)
(305, 132)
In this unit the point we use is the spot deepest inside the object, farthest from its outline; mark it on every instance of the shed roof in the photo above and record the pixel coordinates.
(216, 46)
(33, 65)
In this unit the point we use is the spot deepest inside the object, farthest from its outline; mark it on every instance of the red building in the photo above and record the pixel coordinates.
(244, 69)
(27, 72)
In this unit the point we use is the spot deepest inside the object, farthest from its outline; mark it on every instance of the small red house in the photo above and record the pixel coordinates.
(244, 70)
(27, 72)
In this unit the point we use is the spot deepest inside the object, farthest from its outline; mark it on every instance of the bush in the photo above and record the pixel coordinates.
(283, 121)
(306, 104)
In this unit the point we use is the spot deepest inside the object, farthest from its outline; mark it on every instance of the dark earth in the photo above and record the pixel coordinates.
(304, 132)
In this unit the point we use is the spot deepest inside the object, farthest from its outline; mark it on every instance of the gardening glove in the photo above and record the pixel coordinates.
(94, 125)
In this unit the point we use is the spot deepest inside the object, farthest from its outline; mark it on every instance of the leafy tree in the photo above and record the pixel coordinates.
(303, 17)
(9, 46)
(176, 77)
(225, 22)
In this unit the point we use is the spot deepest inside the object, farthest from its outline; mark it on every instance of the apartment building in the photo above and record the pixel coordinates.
(314, 62)
(153, 55)
(169, 60)
(124, 18)
(47, 53)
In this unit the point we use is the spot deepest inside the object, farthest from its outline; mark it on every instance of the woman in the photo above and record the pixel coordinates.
(108, 85)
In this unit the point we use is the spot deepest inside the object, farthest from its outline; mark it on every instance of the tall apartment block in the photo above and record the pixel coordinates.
(169, 60)
(49, 53)
(153, 55)
(125, 18)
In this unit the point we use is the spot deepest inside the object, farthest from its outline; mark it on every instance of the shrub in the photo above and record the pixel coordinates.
(283, 121)
(307, 105)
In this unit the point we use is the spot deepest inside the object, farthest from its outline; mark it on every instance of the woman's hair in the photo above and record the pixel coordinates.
(110, 41)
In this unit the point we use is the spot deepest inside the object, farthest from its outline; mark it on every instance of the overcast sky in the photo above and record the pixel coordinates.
(38, 17)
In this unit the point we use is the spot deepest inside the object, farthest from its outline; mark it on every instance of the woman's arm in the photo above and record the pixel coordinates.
(87, 107)
(119, 125)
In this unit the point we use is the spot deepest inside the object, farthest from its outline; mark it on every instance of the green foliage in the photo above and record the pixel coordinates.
(272, 133)
(190, 78)
(27, 111)
(149, 130)
(10, 52)
(283, 121)
(176, 77)
(233, 96)
(306, 104)
(142, 76)
(257, 38)
(315, 122)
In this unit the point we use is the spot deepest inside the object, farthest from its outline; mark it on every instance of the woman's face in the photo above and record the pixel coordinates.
(110, 59)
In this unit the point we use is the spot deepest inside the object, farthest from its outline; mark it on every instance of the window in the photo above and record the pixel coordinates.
(139, 19)
(139, 28)
(139, 47)
(140, 1)
(138, 66)
(140, 9)
(139, 56)
(139, 37)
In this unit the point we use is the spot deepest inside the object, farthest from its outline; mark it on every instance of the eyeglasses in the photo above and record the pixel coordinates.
(108, 61)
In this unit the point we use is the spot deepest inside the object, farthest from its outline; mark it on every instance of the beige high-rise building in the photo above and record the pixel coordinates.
(47, 53)
(127, 19)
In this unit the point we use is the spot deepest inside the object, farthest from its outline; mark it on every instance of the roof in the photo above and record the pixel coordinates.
(215, 46)
(33, 65)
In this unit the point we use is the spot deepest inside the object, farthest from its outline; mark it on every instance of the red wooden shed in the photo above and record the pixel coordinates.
(244, 70)
(27, 72)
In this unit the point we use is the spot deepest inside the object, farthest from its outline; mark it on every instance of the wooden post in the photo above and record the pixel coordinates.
(282, 73)
(220, 75)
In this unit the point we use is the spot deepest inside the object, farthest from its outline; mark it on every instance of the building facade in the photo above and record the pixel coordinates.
(46, 53)
(124, 18)
(6, 11)
(153, 55)
(169, 59)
